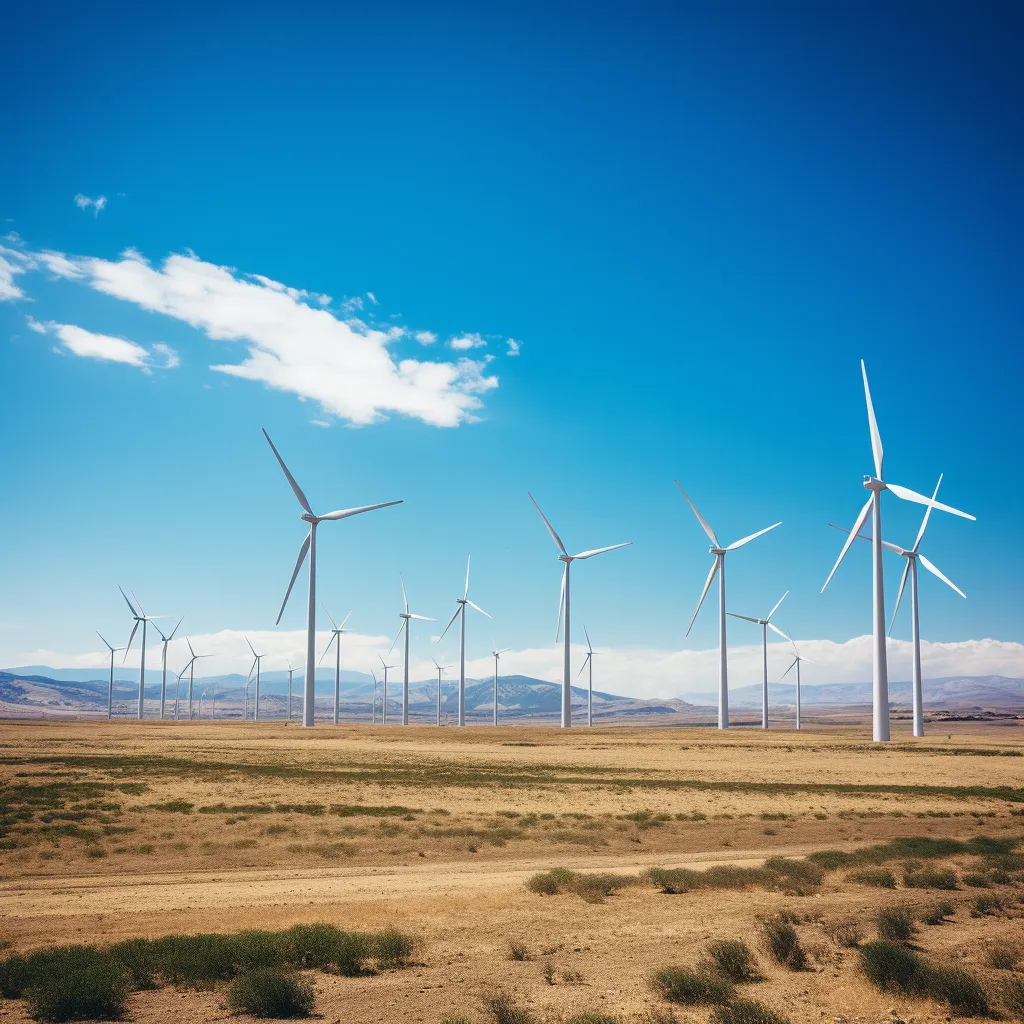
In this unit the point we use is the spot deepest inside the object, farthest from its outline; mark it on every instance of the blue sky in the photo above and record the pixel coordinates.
(693, 220)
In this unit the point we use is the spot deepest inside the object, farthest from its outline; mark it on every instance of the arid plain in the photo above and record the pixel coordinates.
(120, 830)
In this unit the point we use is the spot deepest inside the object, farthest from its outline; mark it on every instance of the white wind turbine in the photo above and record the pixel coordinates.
(384, 702)
(563, 605)
(913, 556)
(497, 655)
(719, 567)
(110, 685)
(460, 610)
(405, 616)
(875, 484)
(588, 661)
(139, 616)
(798, 659)
(309, 547)
(440, 669)
(163, 672)
(373, 706)
(256, 659)
(291, 672)
(336, 632)
(765, 625)
(191, 673)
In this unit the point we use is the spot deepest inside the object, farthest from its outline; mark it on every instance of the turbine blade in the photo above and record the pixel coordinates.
(458, 608)
(190, 651)
(477, 607)
(746, 617)
(775, 629)
(130, 639)
(601, 551)
(587, 635)
(908, 495)
(703, 593)
(933, 569)
(465, 593)
(334, 636)
(251, 667)
(254, 654)
(405, 597)
(790, 669)
(753, 536)
(776, 608)
(561, 603)
(583, 666)
(405, 622)
(127, 602)
(344, 513)
(849, 540)
(927, 513)
(100, 635)
(328, 614)
(899, 595)
(700, 519)
(344, 620)
(422, 618)
(876, 438)
(303, 551)
(551, 529)
(295, 486)
(175, 630)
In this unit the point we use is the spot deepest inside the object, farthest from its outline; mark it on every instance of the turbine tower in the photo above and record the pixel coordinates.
(110, 685)
(405, 616)
(290, 673)
(191, 674)
(875, 485)
(797, 661)
(497, 655)
(718, 566)
(336, 632)
(373, 706)
(460, 610)
(256, 659)
(563, 606)
(309, 547)
(588, 661)
(765, 624)
(384, 702)
(139, 616)
(163, 672)
(440, 669)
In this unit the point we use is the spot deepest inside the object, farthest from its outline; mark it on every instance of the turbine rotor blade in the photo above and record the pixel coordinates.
(422, 618)
(776, 608)
(334, 636)
(700, 519)
(775, 629)
(601, 551)
(458, 608)
(344, 620)
(876, 438)
(100, 635)
(849, 540)
(477, 607)
(931, 567)
(551, 529)
(175, 630)
(328, 614)
(908, 495)
(405, 622)
(127, 602)
(561, 603)
(899, 596)
(130, 639)
(927, 513)
(405, 597)
(704, 593)
(294, 483)
(790, 669)
(583, 666)
(753, 536)
(303, 551)
(587, 635)
(746, 617)
(465, 593)
(344, 513)
(254, 654)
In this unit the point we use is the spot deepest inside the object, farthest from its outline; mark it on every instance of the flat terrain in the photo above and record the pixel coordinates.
(116, 830)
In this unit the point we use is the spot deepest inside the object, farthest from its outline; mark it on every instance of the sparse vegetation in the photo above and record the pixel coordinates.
(746, 1011)
(591, 887)
(798, 877)
(690, 987)
(880, 878)
(783, 943)
(518, 951)
(1004, 954)
(96, 991)
(732, 959)
(937, 878)
(271, 993)
(896, 924)
(505, 1010)
(939, 914)
(846, 933)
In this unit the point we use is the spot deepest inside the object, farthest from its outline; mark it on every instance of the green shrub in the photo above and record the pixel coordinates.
(937, 878)
(682, 985)
(732, 959)
(549, 883)
(505, 1010)
(393, 948)
(195, 961)
(137, 959)
(923, 847)
(1004, 954)
(256, 949)
(961, 991)
(15, 976)
(746, 1011)
(1012, 994)
(783, 943)
(880, 878)
(889, 966)
(799, 877)
(313, 945)
(985, 905)
(518, 951)
(976, 880)
(895, 924)
(271, 992)
(591, 1018)
(98, 991)
(845, 933)
(939, 913)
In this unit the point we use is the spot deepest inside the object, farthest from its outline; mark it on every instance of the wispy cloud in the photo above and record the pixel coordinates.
(292, 345)
(464, 342)
(107, 348)
(85, 203)
(513, 347)
(12, 263)
(425, 337)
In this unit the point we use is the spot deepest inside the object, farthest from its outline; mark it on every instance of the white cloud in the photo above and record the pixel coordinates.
(105, 347)
(85, 203)
(464, 342)
(425, 337)
(171, 358)
(12, 263)
(345, 366)
(372, 298)
(514, 347)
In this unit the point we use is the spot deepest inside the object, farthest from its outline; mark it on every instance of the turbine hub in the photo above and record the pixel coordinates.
(873, 484)
(310, 518)
(716, 551)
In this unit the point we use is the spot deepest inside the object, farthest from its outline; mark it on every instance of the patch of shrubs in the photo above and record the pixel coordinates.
(690, 987)
(591, 887)
(920, 847)
(271, 992)
(895, 924)
(880, 878)
(97, 991)
(936, 878)
(939, 914)
(746, 1011)
(732, 959)
(783, 943)
(505, 1010)
(798, 877)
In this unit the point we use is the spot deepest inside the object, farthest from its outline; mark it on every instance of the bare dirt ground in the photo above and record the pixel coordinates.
(114, 830)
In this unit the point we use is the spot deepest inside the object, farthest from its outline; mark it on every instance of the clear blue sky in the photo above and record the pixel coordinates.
(694, 218)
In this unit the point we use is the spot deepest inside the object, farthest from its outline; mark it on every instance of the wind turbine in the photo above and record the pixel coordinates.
(110, 685)
(163, 673)
(913, 556)
(309, 547)
(460, 609)
(563, 605)
(139, 616)
(336, 632)
(797, 661)
(497, 655)
(290, 672)
(875, 484)
(765, 625)
(177, 691)
(588, 661)
(191, 675)
(256, 659)
(373, 706)
(718, 566)
(384, 703)
(440, 669)
(405, 616)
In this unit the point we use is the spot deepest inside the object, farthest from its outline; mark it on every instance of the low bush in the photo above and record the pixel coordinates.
(895, 924)
(1004, 954)
(975, 880)
(549, 883)
(393, 948)
(783, 943)
(845, 933)
(922, 847)
(732, 959)
(97, 991)
(938, 914)
(1011, 992)
(689, 987)
(880, 878)
(798, 877)
(591, 887)
(960, 990)
(505, 1010)
(518, 951)
(271, 993)
(746, 1011)
(983, 906)
(936, 878)
(889, 966)
(591, 1018)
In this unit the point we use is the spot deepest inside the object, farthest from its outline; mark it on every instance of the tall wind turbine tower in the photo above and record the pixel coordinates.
(291, 672)
(256, 659)
(405, 616)
(440, 669)
(765, 624)
(797, 661)
(336, 632)
(139, 616)
(875, 485)
(373, 706)
(460, 610)
(163, 671)
(384, 702)
(497, 655)
(718, 566)
(309, 547)
(110, 685)
(191, 666)
(588, 662)
(563, 608)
